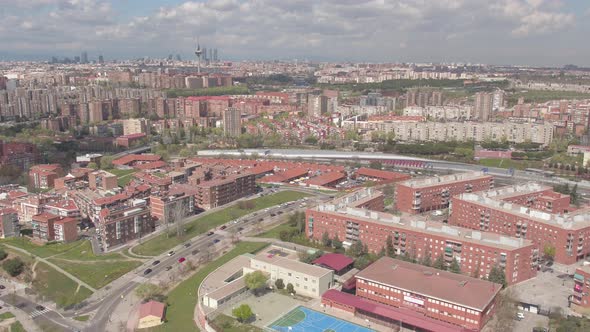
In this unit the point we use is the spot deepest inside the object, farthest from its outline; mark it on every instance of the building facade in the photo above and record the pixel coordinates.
(125, 222)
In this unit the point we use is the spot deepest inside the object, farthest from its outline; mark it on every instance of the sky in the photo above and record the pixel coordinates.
(520, 32)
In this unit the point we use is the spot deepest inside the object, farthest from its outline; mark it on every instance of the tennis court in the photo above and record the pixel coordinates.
(303, 319)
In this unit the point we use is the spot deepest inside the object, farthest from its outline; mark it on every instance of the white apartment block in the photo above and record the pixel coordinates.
(441, 112)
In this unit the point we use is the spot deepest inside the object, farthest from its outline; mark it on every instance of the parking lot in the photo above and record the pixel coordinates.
(548, 290)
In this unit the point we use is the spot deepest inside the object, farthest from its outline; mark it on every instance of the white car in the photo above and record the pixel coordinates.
(520, 316)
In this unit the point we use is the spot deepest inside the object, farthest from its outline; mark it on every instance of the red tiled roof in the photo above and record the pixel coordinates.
(152, 308)
(334, 261)
(386, 175)
(66, 220)
(326, 178)
(399, 314)
(128, 159)
(7, 211)
(66, 204)
(152, 165)
(456, 288)
(262, 169)
(44, 216)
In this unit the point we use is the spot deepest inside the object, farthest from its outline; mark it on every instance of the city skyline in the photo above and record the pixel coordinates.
(533, 32)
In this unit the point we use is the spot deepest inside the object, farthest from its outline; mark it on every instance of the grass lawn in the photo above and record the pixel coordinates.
(200, 225)
(274, 232)
(123, 175)
(97, 273)
(183, 298)
(57, 287)
(509, 163)
(82, 318)
(230, 324)
(17, 327)
(83, 252)
(43, 251)
(6, 315)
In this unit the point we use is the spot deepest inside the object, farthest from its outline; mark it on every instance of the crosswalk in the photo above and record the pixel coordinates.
(37, 313)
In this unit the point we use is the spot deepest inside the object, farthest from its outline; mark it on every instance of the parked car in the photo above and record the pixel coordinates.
(519, 316)
(194, 252)
(170, 253)
(188, 244)
(273, 214)
(210, 233)
(181, 259)
(216, 241)
(240, 229)
(223, 227)
(156, 263)
(40, 308)
(2, 287)
(146, 272)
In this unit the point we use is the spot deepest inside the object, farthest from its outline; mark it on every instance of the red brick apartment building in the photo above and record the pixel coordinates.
(9, 226)
(441, 295)
(581, 295)
(420, 195)
(211, 194)
(50, 227)
(65, 229)
(381, 176)
(102, 180)
(351, 219)
(125, 222)
(44, 176)
(178, 201)
(530, 211)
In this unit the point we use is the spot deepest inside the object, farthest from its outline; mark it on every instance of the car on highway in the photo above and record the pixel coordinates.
(240, 229)
(181, 259)
(40, 308)
(261, 219)
(216, 241)
(188, 244)
(146, 272)
(2, 287)
(170, 253)
(210, 233)
(223, 227)
(156, 263)
(168, 268)
(194, 252)
(273, 214)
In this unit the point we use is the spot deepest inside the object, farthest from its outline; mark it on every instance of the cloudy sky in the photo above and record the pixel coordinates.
(536, 32)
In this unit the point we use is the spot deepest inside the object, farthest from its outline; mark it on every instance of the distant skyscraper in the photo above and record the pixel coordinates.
(205, 57)
(211, 54)
(498, 100)
(178, 58)
(84, 57)
(215, 55)
(232, 122)
(483, 105)
(199, 53)
(100, 59)
(77, 59)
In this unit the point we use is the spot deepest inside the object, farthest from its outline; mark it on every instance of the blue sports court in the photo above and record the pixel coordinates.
(302, 319)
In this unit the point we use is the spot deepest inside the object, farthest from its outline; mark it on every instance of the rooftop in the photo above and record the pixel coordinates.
(445, 179)
(386, 175)
(334, 261)
(442, 285)
(326, 178)
(292, 264)
(152, 308)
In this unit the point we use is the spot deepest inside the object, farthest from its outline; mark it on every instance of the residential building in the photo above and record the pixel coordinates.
(354, 218)
(433, 193)
(124, 222)
(581, 292)
(9, 226)
(65, 229)
(214, 193)
(530, 211)
(232, 122)
(484, 105)
(128, 141)
(442, 295)
(174, 204)
(43, 176)
(43, 226)
(151, 314)
(136, 126)
(102, 180)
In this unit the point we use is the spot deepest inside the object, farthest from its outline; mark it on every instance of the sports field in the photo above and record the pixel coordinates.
(302, 319)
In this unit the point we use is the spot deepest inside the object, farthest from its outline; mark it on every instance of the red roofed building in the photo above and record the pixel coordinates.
(215, 193)
(65, 229)
(330, 179)
(43, 176)
(381, 176)
(151, 165)
(339, 263)
(136, 159)
(441, 295)
(43, 226)
(63, 208)
(124, 222)
(151, 314)
(19, 155)
(130, 140)
(286, 176)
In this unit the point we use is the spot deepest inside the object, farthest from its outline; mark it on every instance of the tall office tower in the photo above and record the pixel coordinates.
(317, 105)
(100, 59)
(205, 57)
(498, 101)
(84, 57)
(211, 54)
(232, 122)
(437, 98)
(483, 105)
(199, 53)
(215, 55)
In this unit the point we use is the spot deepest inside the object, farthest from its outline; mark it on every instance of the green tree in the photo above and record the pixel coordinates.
(243, 313)
(14, 266)
(389, 249)
(427, 259)
(147, 291)
(326, 241)
(92, 165)
(290, 288)
(439, 263)
(255, 281)
(455, 267)
(497, 275)
(336, 243)
(376, 164)
(279, 284)
(356, 249)
(106, 162)
(3, 254)
(549, 252)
